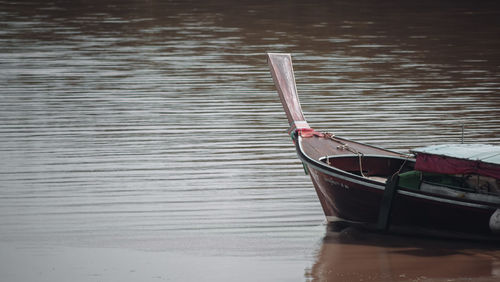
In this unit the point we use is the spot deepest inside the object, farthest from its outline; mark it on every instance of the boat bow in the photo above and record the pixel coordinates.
(284, 80)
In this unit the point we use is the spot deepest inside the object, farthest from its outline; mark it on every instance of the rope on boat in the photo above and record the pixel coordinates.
(344, 146)
(309, 132)
(400, 168)
(360, 155)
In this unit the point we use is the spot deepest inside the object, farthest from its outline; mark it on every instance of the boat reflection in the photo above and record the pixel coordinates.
(351, 254)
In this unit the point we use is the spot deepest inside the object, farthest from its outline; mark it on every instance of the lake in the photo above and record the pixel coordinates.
(145, 141)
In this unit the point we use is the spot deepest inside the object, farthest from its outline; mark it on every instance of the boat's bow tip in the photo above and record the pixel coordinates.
(284, 80)
(278, 58)
(272, 54)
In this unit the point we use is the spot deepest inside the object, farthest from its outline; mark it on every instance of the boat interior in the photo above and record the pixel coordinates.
(374, 167)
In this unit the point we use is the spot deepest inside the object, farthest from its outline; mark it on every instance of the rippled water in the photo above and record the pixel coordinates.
(155, 124)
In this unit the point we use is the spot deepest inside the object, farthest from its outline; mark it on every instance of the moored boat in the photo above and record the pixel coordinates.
(450, 190)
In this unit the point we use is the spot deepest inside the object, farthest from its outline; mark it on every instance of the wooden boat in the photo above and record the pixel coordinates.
(381, 189)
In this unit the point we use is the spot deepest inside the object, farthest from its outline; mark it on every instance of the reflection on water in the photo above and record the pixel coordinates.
(351, 255)
(155, 124)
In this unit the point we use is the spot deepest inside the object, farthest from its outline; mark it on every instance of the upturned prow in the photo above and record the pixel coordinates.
(284, 80)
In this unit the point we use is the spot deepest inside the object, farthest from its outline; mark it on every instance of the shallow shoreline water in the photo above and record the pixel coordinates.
(342, 255)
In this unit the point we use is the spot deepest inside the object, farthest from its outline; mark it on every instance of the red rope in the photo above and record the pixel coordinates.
(309, 132)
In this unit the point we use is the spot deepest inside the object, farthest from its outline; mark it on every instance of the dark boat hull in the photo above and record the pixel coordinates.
(357, 200)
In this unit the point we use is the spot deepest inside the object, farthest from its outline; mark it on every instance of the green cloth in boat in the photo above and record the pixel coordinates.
(410, 180)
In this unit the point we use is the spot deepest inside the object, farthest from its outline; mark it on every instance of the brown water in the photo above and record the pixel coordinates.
(149, 133)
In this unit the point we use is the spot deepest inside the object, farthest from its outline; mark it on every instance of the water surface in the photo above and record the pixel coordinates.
(155, 126)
